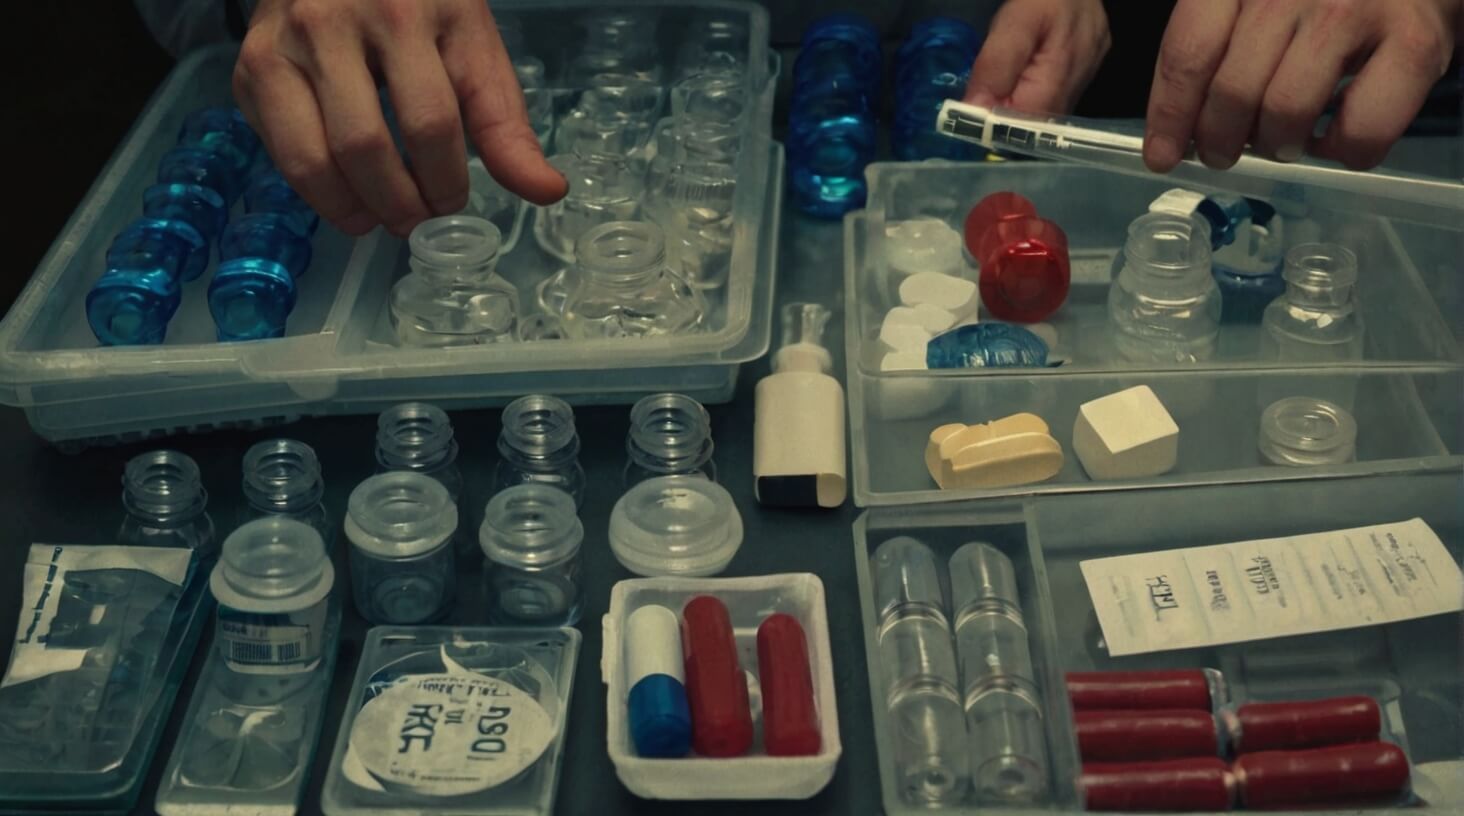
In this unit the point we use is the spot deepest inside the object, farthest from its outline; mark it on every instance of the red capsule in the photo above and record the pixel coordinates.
(1130, 736)
(1164, 689)
(1025, 270)
(716, 689)
(1340, 774)
(1172, 785)
(1304, 724)
(790, 720)
(989, 212)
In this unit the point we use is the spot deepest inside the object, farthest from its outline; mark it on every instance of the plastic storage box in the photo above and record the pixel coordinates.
(1410, 667)
(1403, 392)
(339, 355)
(757, 775)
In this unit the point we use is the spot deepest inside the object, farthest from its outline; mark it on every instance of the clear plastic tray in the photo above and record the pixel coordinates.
(1411, 667)
(1404, 391)
(337, 356)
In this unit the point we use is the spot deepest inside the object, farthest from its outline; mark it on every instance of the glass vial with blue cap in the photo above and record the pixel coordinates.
(141, 289)
(1164, 305)
(531, 539)
(400, 526)
(282, 478)
(658, 713)
(831, 118)
(166, 504)
(454, 296)
(931, 67)
(670, 435)
(539, 445)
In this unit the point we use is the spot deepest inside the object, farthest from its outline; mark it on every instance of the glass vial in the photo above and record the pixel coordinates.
(531, 546)
(1305, 432)
(417, 436)
(539, 445)
(921, 700)
(400, 526)
(1004, 720)
(282, 478)
(602, 189)
(1315, 320)
(454, 296)
(166, 504)
(1164, 306)
(670, 435)
(624, 288)
(694, 208)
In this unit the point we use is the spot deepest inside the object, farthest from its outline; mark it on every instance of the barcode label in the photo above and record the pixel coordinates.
(271, 643)
(264, 654)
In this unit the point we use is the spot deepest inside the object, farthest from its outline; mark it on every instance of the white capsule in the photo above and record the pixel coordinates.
(923, 245)
(652, 645)
(952, 294)
(902, 330)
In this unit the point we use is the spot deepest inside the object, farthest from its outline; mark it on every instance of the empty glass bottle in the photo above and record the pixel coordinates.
(417, 436)
(623, 286)
(282, 478)
(1163, 305)
(602, 189)
(539, 445)
(1307, 432)
(453, 295)
(613, 117)
(931, 67)
(919, 667)
(531, 546)
(694, 208)
(713, 42)
(831, 117)
(400, 526)
(670, 435)
(619, 41)
(166, 504)
(1316, 319)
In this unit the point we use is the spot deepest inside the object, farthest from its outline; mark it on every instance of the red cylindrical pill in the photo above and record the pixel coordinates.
(1304, 724)
(1353, 774)
(1172, 785)
(716, 689)
(989, 212)
(1130, 736)
(790, 720)
(1025, 270)
(1163, 689)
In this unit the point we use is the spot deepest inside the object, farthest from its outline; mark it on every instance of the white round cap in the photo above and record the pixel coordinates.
(675, 525)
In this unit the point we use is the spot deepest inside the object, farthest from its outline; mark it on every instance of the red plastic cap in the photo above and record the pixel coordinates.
(1159, 689)
(1342, 774)
(1306, 723)
(1128, 736)
(1173, 785)
(990, 211)
(790, 719)
(716, 689)
(1025, 269)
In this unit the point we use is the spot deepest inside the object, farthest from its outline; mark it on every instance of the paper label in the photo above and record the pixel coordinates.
(42, 586)
(281, 643)
(1274, 587)
(450, 734)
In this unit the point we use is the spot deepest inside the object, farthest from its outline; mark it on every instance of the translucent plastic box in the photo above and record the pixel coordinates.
(339, 355)
(1404, 391)
(1411, 668)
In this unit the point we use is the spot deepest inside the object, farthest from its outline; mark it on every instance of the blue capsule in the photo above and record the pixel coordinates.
(271, 236)
(187, 164)
(132, 307)
(224, 132)
(931, 67)
(169, 246)
(250, 299)
(831, 116)
(269, 193)
(987, 345)
(201, 207)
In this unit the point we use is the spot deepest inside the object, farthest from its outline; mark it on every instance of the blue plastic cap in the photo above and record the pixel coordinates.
(168, 245)
(987, 345)
(128, 307)
(271, 236)
(250, 299)
(660, 719)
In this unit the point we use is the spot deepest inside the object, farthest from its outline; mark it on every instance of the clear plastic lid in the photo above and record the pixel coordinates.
(906, 578)
(1317, 430)
(272, 564)
(400, 514)
(530, 525)
(675, 525)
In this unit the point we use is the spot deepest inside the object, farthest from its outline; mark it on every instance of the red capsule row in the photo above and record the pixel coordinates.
(716, 688)
(1357, 774)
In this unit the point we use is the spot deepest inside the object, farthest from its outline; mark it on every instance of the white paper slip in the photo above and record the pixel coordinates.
(1272, 587)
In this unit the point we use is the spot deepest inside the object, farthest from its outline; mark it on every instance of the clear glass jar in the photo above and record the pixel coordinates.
(670, 435)
(613, 117)
(166, 504)
(400, 526)
(417, 436)
(282, 478)
(602, 189)
(1316, 319)
(531, 544)
(454, 296)
(1306, 432)
(694, 208)
(624, 288)
(539, 445)
(1164, 306)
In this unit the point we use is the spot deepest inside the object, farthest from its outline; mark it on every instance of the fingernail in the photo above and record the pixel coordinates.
(981, 98)
(1218, 161)
(1288, 153)
(1161, 152)
(448, 206)
(358, 223)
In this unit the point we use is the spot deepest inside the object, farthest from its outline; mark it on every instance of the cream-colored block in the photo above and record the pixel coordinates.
(1014, 450)
(1126, 435)
(956, 295)
(902, 330)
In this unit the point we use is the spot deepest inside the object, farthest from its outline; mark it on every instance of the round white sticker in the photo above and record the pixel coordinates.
(450, 734)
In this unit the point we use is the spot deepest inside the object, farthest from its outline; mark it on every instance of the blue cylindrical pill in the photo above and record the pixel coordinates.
(271, 236)
(250, 299)
(168, 246)
(224, 132)
(660, 718)
(269, 193)
(187, 164)
(202, 207)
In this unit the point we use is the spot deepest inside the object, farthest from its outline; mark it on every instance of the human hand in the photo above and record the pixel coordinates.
(1039, 55)
(306, 81)
(1263, 71)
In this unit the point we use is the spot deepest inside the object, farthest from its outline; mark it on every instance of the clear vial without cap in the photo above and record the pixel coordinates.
(1004, 720)
(531, 539)
(613, 117)
(694, 208)
(538, 444)
(1164, 305)
(166, 504)
(1305, 432)
(400, 526)
(454, 295)
(417, 436)
(670, 435)
(282, 478)
(921, 697)
(1316, 319)
(623, 286)
(602, 189)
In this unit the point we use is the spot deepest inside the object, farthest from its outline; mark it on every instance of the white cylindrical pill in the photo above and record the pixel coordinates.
(923, 245)
(653, 645)
(952, 294)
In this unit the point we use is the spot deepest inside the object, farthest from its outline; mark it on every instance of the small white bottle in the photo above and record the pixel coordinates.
(798, 429)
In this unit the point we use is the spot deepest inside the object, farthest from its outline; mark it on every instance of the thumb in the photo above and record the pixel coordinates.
(1010, 43)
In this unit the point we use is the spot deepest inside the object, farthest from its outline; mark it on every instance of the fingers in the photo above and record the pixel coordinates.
(1194, 45)
(427, 114)
(294, 134)
(1305, 81)
(1013, 38)
(1262, 34)
(493, 110)
(1385, 96)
